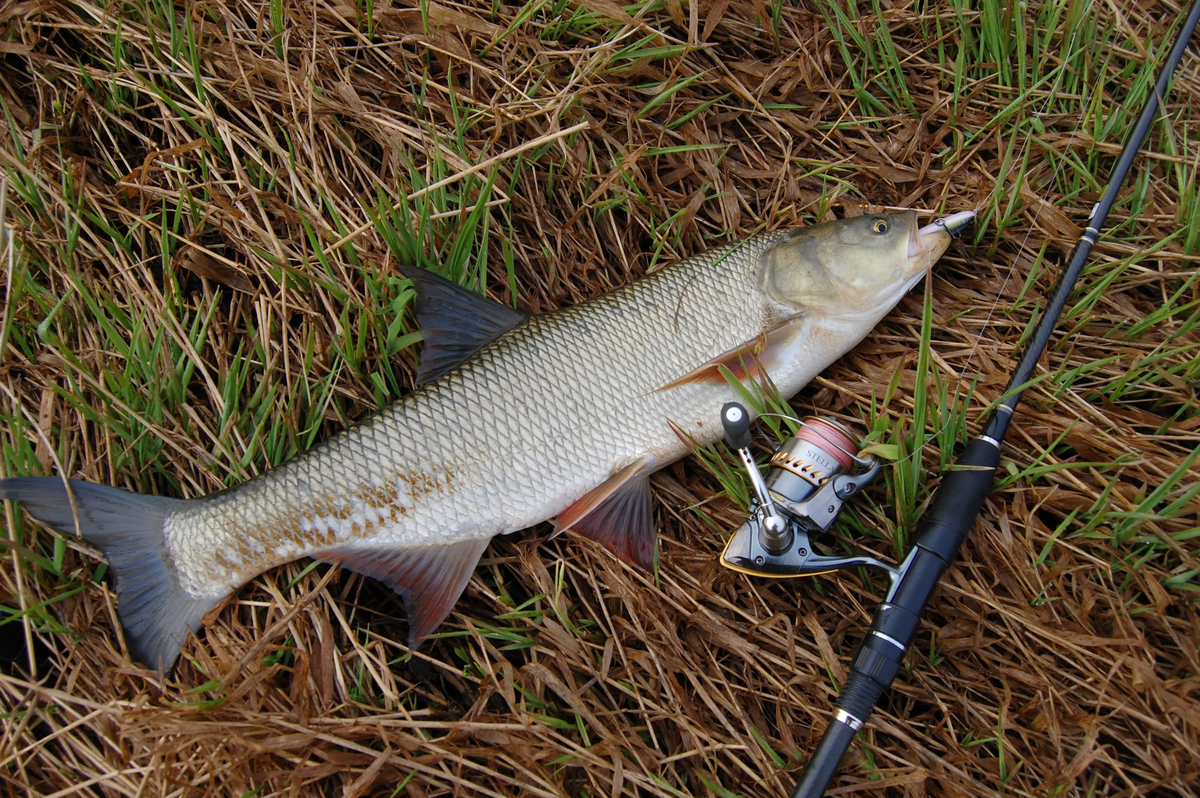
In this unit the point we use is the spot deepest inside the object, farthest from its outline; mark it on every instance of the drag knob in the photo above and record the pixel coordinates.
(736, 422)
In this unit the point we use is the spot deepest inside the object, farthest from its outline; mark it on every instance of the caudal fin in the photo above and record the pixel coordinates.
(155, 611)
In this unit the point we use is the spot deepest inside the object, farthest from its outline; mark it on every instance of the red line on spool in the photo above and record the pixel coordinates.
(831, 440)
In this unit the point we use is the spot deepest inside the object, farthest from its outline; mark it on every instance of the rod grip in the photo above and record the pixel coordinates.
(959, 498)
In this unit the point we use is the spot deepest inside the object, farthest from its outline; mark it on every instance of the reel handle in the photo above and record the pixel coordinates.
(777, 538)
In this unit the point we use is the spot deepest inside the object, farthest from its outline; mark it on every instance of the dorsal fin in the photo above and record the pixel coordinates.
(455, 322)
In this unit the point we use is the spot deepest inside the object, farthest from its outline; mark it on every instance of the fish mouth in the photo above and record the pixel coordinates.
(928, 243)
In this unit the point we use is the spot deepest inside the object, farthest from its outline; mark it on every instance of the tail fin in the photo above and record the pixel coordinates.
(155, 611)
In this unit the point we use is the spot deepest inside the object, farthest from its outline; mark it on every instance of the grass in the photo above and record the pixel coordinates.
(206, 207)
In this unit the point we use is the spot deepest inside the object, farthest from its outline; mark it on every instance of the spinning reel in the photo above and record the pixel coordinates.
(811, 476)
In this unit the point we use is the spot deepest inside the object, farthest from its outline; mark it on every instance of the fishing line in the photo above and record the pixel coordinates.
(970, 366)
(1023, 247)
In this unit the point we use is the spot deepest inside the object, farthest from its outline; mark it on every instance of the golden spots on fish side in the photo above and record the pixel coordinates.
(378, 495)
(318, 508)
(267, 533)
(422, 485)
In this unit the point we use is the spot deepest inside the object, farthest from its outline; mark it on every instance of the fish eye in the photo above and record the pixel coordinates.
(880, 226)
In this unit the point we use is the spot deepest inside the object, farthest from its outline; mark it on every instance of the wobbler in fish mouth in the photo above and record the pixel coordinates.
(519, 420)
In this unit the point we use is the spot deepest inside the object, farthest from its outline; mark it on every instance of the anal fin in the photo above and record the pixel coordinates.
(618, 515)
(455, 322)
(429, 578)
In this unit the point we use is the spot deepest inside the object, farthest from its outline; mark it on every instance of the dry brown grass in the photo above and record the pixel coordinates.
(1066, 651)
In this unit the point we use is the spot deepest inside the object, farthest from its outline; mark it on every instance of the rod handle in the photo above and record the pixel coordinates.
(959, 499)
(880, 655)
(824, 761)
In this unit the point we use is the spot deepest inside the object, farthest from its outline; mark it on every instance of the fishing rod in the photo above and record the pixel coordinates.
(816, 471)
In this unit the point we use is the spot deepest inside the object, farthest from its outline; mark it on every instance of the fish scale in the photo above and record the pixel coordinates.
(563, 415)
(485, 449)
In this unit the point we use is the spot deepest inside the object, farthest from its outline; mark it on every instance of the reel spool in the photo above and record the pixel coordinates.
(811, 477)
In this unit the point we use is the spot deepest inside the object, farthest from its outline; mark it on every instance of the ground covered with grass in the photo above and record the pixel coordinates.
(206, 204)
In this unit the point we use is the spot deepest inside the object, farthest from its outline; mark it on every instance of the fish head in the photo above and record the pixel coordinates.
(855, 268)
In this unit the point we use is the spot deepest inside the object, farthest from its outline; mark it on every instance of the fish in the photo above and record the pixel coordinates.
(516, 420)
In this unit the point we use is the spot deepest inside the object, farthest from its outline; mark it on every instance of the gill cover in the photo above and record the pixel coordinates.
(851, 267)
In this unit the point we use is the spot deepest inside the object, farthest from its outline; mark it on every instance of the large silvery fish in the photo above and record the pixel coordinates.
(520, 419)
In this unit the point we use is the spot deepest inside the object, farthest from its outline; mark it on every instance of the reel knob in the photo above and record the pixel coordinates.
(736, 422)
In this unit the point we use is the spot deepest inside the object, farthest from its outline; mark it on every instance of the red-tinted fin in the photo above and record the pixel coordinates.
(618, 515)
(740, 361)
(455, 322)
(429, 578)
(748, 360)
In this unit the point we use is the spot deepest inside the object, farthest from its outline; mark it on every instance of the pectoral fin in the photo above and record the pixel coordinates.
(748, 360)
(618, 515)
(455, 322)
(429, 578)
